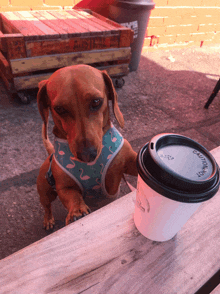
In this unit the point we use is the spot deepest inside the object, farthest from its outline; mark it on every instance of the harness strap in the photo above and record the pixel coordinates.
(52, 183)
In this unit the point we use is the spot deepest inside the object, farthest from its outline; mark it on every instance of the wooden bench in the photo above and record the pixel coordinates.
(33, 44)
(216, 290)
(105, 253)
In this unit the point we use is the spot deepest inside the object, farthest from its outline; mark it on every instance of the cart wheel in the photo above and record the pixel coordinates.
(24, 98)
(119, 83)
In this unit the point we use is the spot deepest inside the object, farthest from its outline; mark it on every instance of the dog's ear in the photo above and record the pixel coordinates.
(112, 95)
(43, 104)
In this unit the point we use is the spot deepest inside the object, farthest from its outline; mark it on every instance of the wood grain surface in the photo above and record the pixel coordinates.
(60, 60)
(51, 24)
(5, 67)
(105, 253)
(5, 72)
(24, 26)
(59, 31)
(31, 81)
(76, 44)
(216, 290)
(15, 46)
(7, 26)
(57, 38)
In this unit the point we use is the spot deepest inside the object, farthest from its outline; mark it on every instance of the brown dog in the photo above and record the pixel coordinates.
(77, 97)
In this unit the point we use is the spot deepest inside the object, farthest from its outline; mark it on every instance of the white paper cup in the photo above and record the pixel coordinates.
(176, 174)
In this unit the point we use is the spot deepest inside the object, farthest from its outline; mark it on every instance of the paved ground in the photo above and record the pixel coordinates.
(166, 94)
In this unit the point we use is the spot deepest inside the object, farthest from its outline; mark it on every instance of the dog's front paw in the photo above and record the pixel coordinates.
(77, 212)
(49, 222)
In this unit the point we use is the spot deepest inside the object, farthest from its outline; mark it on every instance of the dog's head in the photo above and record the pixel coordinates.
(77, 97)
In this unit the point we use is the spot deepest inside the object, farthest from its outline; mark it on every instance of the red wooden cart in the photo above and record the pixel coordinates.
(33, 44)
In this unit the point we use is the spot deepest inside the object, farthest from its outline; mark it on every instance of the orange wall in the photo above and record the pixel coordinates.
(183, 22)
(11, 5)
(173, 23)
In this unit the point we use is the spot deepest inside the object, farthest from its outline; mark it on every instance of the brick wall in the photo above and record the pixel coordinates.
(178, 23)
(11, 5)
(173, 23)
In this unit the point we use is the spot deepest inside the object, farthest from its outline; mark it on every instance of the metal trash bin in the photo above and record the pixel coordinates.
(133, 14)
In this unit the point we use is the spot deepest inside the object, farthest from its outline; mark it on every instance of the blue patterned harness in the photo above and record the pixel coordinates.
(89, 176)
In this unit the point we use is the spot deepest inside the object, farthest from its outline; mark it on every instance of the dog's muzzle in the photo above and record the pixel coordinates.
(86, 151)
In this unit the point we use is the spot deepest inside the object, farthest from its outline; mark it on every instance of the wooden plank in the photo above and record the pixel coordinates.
(15, 46)
(58, 46)
(25, 27)
(82, 15)
(60, 60)
(70, 25)
(48, 32)
(88, 24)
(106, 20)
(0, 23)
(216, 290)
(104, 251)
(8, 83)
(5, 67)
(2, 43)
(7, 26)
(13, 42)
(50, 21)
(31, 82)
(78, 23)
(102, 42)
(5, 72)
(116, 70)
(126, 35)
(96, 20)
(47, 47)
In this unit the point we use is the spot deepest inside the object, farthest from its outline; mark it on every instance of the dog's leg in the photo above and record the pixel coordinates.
(130, 166)
(49, 221)
(47, 195)
(74, 203)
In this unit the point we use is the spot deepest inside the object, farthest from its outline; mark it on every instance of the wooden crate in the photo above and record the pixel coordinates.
(33, 44)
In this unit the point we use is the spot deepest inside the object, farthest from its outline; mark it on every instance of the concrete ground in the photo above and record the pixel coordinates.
(166, 94)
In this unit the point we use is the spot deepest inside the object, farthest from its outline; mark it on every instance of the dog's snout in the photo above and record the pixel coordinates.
(86, 151)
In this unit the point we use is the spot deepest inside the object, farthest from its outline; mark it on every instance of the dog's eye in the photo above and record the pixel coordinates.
(60, 110)
(96, 104)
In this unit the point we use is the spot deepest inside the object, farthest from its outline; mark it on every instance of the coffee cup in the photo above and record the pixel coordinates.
(175, 176)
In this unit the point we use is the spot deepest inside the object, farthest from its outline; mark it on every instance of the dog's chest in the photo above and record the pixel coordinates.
(89, 176)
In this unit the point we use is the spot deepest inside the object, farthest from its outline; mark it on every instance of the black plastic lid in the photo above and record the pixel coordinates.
(178, 168)
(134, 4)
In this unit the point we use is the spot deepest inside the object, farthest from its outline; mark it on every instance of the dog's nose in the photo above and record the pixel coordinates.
(86, 152)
